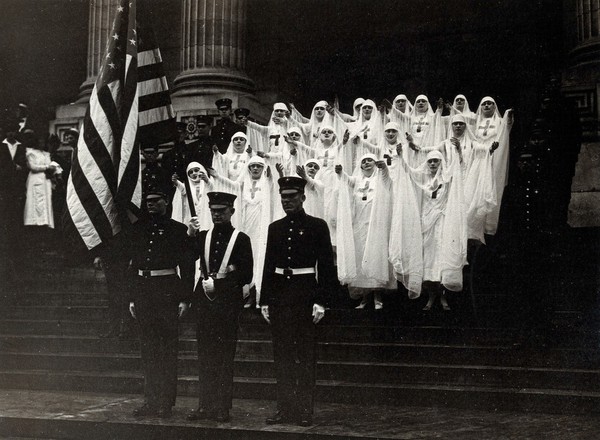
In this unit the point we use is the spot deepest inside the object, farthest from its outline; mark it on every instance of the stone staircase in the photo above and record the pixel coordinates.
(398, 356)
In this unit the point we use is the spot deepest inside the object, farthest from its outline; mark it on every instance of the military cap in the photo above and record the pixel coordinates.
(220, 200)
(204, 119)
(526, 152)
(223, 102)
(156, 189)
(291, 184)
(241, 112)
(150, 148)
(73, 131)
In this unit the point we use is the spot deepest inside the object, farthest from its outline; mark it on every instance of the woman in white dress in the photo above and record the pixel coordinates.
(443, 225)
(38, 205)
(362, 189)
(200, 185)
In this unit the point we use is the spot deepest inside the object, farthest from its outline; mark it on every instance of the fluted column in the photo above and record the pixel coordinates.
(213, 48)
(101, 16)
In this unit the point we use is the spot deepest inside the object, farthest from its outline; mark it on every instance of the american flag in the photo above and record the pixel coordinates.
(129, 104)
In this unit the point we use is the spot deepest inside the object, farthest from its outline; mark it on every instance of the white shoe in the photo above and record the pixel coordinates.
(362, 305)
(377, 301)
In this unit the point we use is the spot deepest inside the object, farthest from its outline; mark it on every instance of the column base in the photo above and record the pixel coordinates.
(204, 81)
(85, 90)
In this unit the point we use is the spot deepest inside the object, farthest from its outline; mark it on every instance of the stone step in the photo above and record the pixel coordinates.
(94, 416)
(481, 397)
(64, 298)
(491, 355)
(365, 322)
(339, 325)
(348, 371)
(84, 313)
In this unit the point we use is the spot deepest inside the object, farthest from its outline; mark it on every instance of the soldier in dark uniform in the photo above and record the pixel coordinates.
(176, 160)
(530, 243)
(203, 150)
(153, 174)
(219, 300)
(294, 297)
(241, 118)
(158, 298)
(225, 128)
(13, 174)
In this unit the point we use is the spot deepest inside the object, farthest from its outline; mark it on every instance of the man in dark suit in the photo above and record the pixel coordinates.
(241, 118)
(176, 160)
(225, 128)
(153, 173)
(13, 174)
(158, 298)
(293, 299)
(226, 266)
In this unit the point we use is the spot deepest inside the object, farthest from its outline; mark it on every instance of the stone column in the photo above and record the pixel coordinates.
(213, 49)
(101, 16)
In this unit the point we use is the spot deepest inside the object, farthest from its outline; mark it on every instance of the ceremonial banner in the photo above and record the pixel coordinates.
(129, 104)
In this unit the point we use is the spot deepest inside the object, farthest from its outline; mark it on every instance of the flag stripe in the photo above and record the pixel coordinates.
(155, 115)
(152, 86)
(85, 206)
(96, 148)
(155, 100)
(128, 147)
(129, 90)
(107, 119)
(85, 174)
(150, 71)
(147, 57)
(131, 86)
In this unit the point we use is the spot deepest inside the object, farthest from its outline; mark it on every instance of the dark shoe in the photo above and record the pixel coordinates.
(222, 416)
(164, 412)
(199, 414)
(278, 418)
(305, 420)
(145, 410)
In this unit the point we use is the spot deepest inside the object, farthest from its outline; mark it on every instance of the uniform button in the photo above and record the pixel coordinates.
(289, 248)
(147, 259)
(289, 238)
(151, 242)
(288, 277)
(292, 221)
(217, 242)
(291, 230)
(289, 258)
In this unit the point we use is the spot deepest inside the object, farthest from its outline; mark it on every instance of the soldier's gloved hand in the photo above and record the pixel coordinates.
(132, 309)
(193, 226)
(208, 285)
(182, 309)
(264, 310)
(318, 313)
(98, 263)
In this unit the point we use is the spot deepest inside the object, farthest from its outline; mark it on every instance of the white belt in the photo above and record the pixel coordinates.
(295, 271)
(221, 275)
(156, 273)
